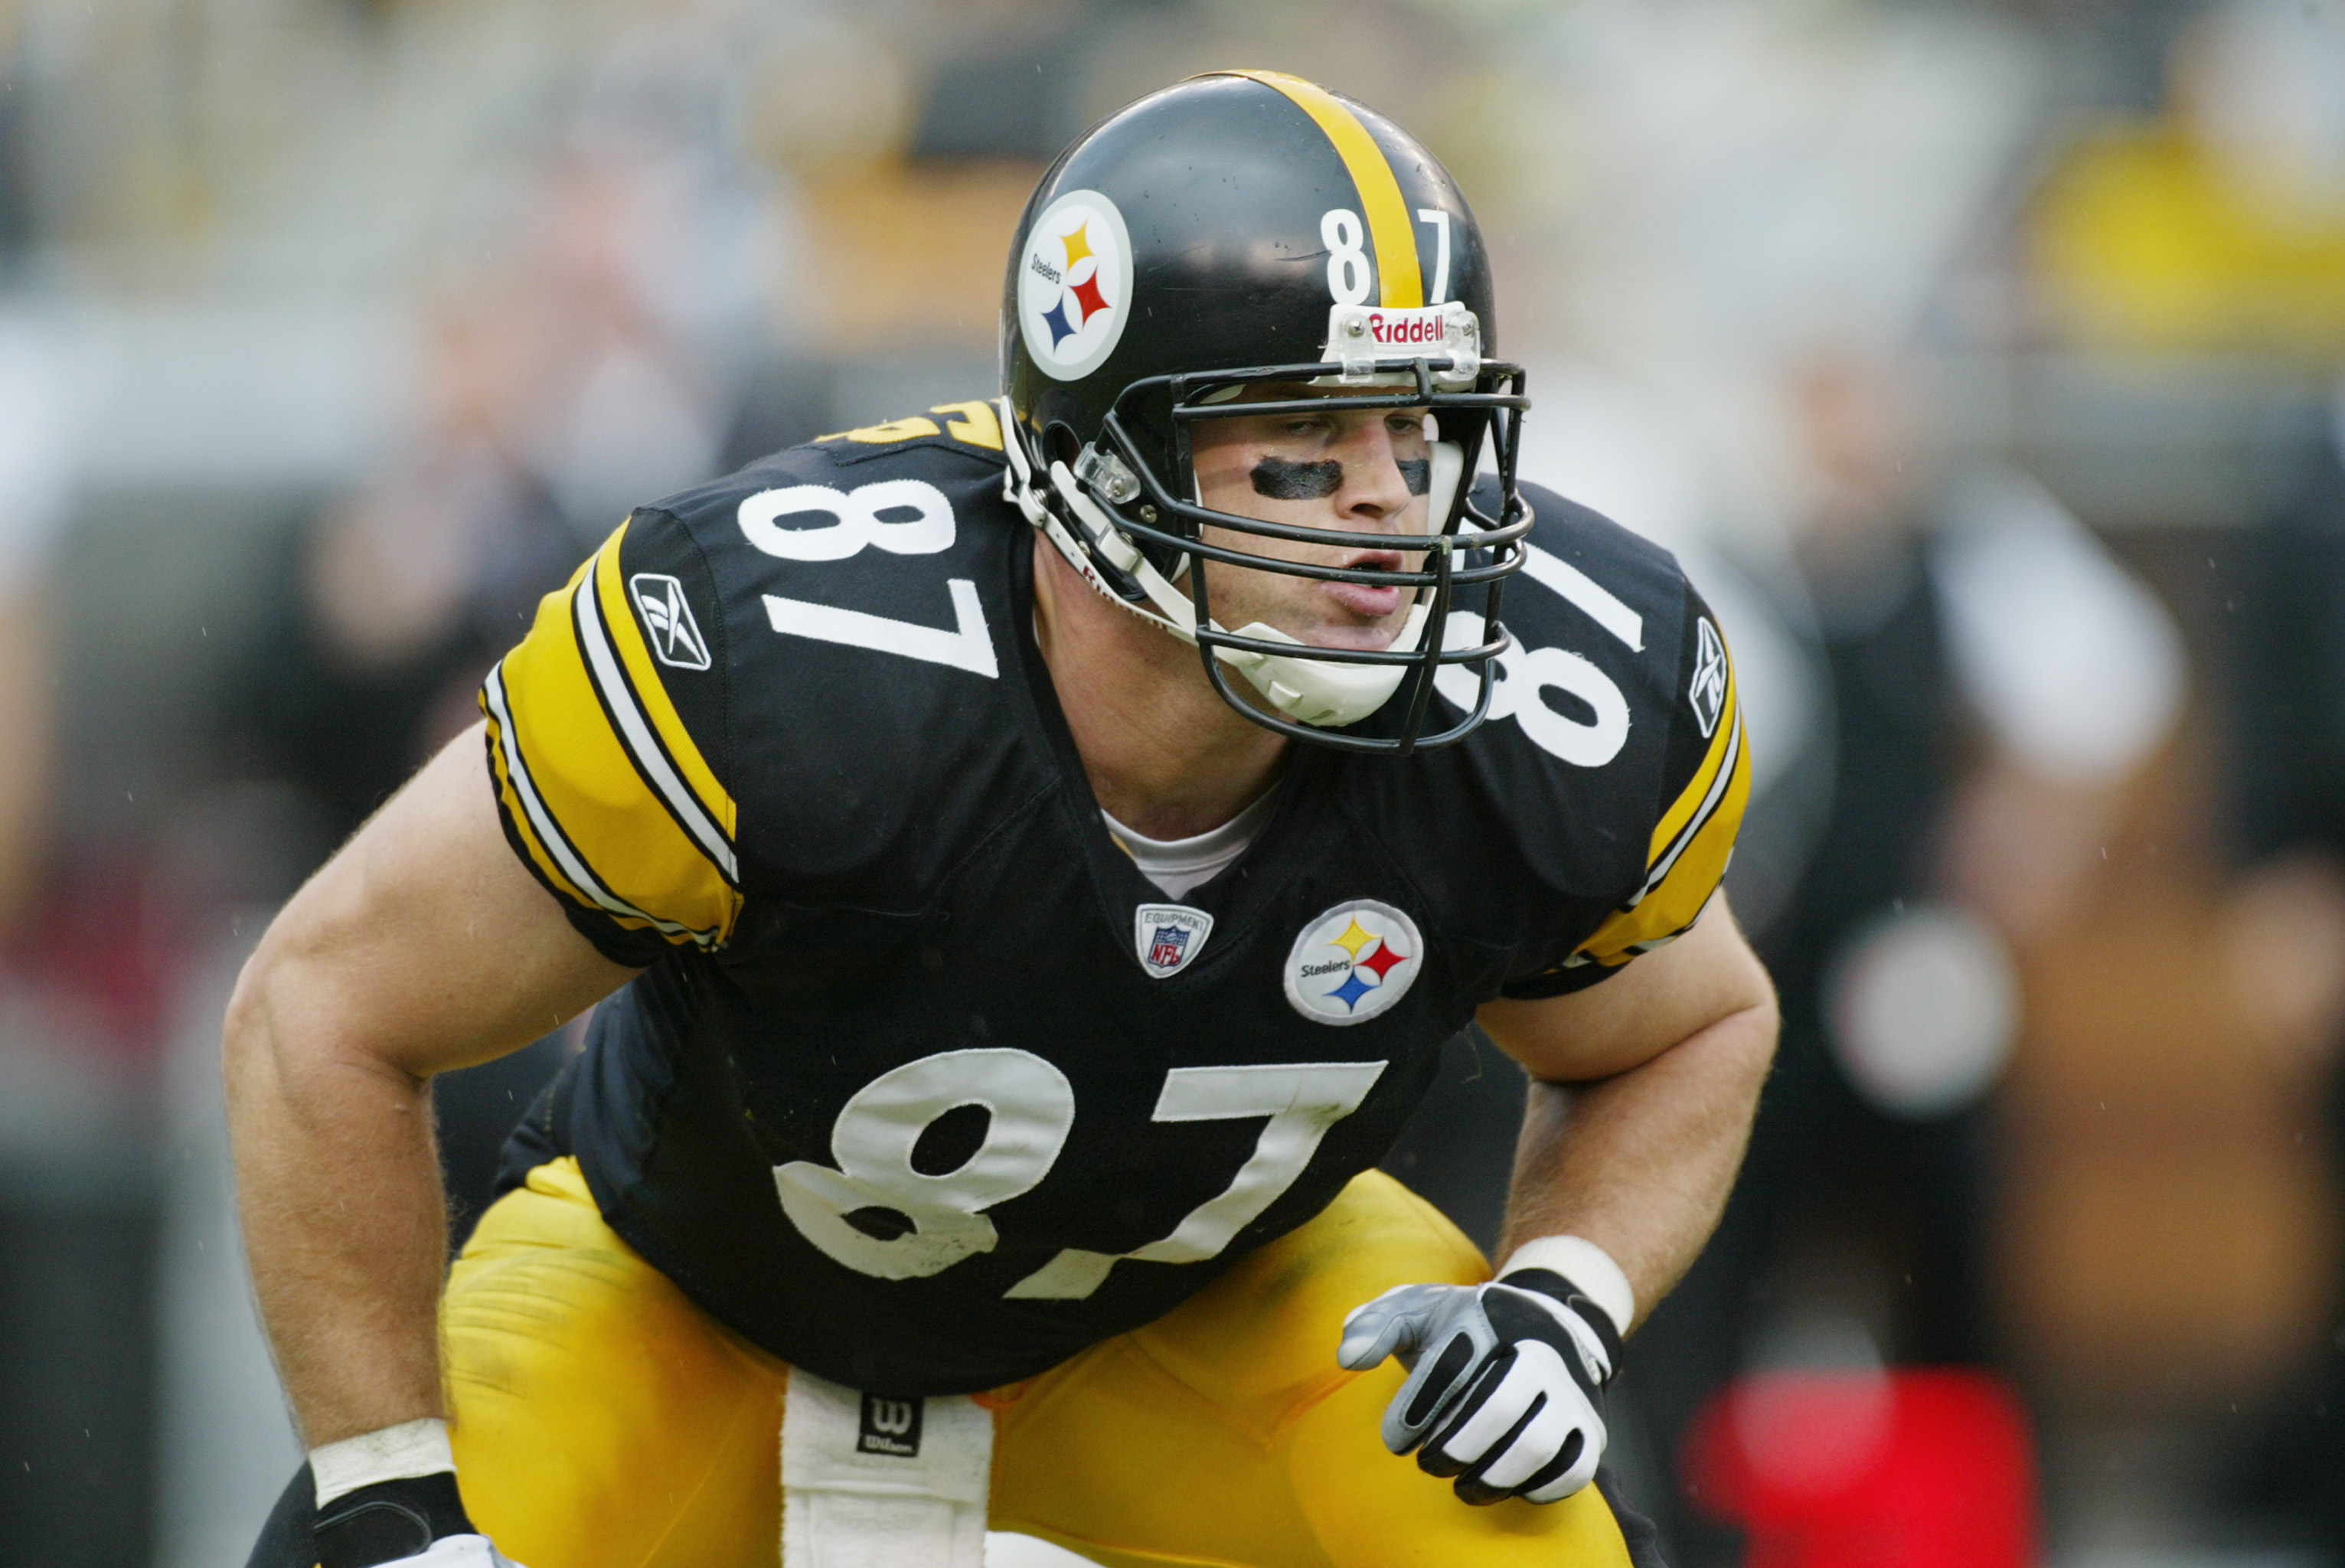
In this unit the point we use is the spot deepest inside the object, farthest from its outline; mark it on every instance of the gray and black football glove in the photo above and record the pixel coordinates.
(1505, 1386)
(415, 1521)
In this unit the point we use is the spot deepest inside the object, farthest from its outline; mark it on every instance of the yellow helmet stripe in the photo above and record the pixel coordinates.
(1389, 230)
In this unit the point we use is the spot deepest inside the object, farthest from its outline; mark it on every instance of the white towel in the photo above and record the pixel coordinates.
(874, 1482)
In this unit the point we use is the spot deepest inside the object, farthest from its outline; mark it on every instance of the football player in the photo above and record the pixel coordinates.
(1027, 857)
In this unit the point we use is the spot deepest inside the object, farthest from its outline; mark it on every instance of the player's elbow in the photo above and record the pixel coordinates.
(1761, 1026)
(252, 1044)
(279, 1023)
(1746, 1036)
(1742, 996)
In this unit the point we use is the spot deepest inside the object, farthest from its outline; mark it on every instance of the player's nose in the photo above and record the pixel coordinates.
(1376, 487)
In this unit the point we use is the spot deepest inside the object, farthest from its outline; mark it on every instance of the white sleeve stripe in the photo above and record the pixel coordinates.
(636, 732)
(1710, 802)
(1686, 836)
(549, 832)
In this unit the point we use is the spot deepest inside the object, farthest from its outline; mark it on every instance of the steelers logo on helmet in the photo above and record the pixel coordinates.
(1353, 963)
(1074, 284)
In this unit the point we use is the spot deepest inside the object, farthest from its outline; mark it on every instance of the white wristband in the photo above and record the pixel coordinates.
(1586, 1265)
(395, 1453)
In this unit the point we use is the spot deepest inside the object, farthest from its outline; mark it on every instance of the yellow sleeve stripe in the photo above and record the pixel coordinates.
(1701, 788)
(655, 731)
(1389, 229)
(524, 814)
(521, 806)
(1678, 891)
(582, 795)
(549, 845)
(1701, 797)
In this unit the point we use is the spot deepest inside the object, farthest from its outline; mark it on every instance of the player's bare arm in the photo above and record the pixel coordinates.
(1641, 1099)
(422, 946)
(1642, 1093)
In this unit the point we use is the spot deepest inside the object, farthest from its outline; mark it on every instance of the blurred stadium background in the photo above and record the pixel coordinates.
(1982, 360)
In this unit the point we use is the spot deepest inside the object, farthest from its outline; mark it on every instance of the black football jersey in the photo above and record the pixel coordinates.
(924, 1087)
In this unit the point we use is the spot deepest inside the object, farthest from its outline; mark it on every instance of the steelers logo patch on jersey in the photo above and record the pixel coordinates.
(1353, 963)
(1074, 284)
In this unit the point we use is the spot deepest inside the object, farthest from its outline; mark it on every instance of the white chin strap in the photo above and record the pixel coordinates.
(1325, 693)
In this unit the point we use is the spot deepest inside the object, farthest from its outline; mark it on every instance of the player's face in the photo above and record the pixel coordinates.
(1362, 471)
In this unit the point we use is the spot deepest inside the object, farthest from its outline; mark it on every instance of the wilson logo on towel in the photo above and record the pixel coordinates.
(890, 1426)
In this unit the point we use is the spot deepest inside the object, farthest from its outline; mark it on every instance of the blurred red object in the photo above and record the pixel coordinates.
(1867, 1469)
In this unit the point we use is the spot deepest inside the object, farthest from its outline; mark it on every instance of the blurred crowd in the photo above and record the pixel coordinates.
(1981, 360)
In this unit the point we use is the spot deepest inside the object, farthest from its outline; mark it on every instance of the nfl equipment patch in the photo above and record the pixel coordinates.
(1169, 936)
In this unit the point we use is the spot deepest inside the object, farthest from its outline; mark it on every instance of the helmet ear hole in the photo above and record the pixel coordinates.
(1061, 444)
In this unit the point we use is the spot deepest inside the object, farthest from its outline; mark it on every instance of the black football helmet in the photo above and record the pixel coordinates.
(1244, 227)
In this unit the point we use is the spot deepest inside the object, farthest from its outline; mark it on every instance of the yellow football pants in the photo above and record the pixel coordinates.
(602, 1420)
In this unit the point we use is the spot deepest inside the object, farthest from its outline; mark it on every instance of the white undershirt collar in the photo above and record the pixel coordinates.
(1177, 865)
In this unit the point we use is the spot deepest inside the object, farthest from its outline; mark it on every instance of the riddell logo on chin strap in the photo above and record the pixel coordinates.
(890, 1426)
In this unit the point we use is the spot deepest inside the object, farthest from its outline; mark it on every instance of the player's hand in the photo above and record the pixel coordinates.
(1505, 1387)
(415, 1521)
